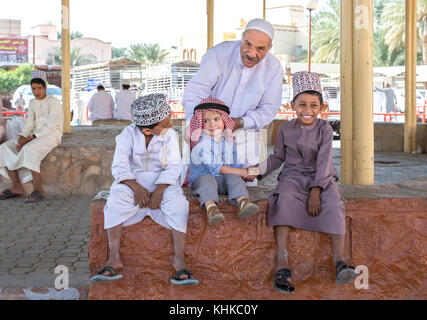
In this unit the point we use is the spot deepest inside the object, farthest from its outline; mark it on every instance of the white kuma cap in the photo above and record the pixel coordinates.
(261, 25)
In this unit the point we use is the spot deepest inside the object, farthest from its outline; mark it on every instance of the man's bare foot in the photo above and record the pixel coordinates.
(19, 190)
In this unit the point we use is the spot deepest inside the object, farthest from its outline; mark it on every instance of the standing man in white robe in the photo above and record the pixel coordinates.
(247, 78)
(20, 158)
(101, 105)
(146, 168)
(124, 99)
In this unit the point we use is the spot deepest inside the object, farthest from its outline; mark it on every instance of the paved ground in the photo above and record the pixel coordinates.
(36, 238)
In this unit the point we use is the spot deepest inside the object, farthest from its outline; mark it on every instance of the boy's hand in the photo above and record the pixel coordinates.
(314, 204)
(156, 196)
(22, 141)
(141, 195)
(254, 171)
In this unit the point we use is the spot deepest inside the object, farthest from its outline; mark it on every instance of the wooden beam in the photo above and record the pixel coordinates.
(65, 69)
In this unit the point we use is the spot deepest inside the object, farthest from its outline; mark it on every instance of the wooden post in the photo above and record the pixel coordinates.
(263, 9)
(363, 53)
(346, 84)
(210, 12)
(410, 137)
(357, 126)
(65, 69)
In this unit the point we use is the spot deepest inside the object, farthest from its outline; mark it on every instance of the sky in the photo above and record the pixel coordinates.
(128, 22)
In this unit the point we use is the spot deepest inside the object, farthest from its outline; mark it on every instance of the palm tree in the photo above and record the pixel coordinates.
(119, 52)
(393, 21)
(153, 54)
(76, 59)
(147, 54)
(326, 34)
(136, 53)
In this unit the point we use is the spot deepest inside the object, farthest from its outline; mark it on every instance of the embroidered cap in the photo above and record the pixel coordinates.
(39, 74)
(261, 25)
(150, 109)
(305, 81)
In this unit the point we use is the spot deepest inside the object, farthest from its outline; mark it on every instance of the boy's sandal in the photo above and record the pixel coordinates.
(177, 280)
(101, 277)
(214, 216)
(281, 283)
(246, 208)
(344, 273)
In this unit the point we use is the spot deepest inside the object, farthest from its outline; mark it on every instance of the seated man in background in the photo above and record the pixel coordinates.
(101, 105)
(124, 99)
(20, 158)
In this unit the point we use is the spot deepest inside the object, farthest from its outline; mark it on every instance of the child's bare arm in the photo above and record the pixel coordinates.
(243, 172)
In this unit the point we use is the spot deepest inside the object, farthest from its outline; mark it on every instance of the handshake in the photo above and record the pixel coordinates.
(252, 173)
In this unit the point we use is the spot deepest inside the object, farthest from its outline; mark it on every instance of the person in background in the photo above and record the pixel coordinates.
(20, 103)
(20, 158)
(390, 97)
(124, 99)
(101, 105)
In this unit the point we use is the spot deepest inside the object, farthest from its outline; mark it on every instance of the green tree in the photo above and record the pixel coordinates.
(10, 80)
(73, 35)
(153, 54)
(76, 58)
(119, 52)
(393, 22)
(147, 54)
(136, 53)
(326, 34)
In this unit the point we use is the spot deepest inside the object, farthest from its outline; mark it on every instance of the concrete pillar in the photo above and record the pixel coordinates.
(346, 84)
(410, 76)
(210, 12)
(357, 92)
(65, 69)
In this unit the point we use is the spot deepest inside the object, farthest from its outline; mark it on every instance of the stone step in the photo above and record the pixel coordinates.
(236, 259)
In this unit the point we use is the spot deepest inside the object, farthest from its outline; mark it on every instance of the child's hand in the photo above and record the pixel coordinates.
(254, 171)
(314, 204)
(156, 196)
(142, 195)
(155, 199)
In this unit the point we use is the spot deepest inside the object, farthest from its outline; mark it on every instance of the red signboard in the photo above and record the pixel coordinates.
(13, 50)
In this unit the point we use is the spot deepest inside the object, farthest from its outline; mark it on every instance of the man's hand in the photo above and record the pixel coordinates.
(22, 141)
(156, 196)
(314, 204)
(236, 123)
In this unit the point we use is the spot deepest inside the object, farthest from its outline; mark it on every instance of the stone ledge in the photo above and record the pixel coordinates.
(235, 260)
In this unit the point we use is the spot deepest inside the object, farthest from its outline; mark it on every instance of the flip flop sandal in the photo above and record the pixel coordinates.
(344, 273)
(176, 279)
(100, 277)
(7, 194)
(281, 283)
(36, 195)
